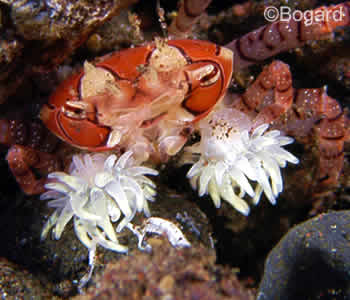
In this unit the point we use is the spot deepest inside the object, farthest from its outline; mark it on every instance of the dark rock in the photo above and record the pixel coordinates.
(311, 262)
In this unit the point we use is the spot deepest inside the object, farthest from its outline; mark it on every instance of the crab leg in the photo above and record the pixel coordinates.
(280, 36)
(274, 85)
(29, 133)
(272, 99)
(330, 124)
(189, 12)
(21, 159)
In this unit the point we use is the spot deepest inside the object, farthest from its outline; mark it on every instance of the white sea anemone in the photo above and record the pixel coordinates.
(231, 158)
(98, 191)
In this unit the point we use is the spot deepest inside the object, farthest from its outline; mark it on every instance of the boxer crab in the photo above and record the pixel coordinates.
(146, 102)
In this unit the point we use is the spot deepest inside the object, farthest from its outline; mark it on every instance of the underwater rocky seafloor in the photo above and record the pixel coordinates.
(226, 261)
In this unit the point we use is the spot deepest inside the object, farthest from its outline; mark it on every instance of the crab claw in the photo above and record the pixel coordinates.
(82, 133)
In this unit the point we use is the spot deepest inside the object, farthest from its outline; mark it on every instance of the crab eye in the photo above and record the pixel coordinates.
(211, 76)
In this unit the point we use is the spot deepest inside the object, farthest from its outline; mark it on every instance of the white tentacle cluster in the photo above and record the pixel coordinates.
(231, 159)
(98, 191)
